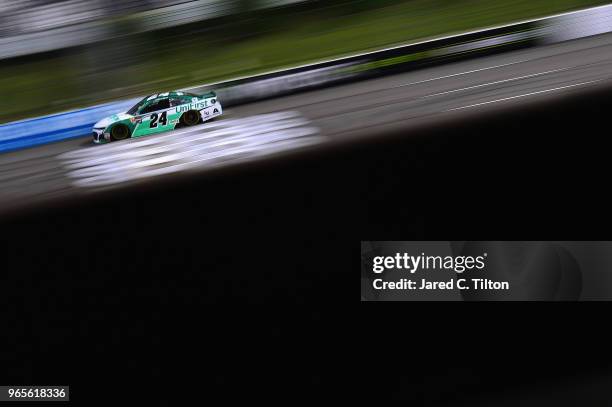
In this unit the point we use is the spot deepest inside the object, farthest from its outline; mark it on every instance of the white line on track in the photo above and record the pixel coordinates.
(496, 82)
(462, 73)
(522, 96)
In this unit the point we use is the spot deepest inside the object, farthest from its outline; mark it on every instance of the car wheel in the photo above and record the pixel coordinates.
(120, 132)
(191, 118)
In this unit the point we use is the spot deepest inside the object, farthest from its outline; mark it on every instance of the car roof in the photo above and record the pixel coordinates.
(161, 95)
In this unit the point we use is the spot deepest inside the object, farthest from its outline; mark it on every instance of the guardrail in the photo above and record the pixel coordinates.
(552, 29)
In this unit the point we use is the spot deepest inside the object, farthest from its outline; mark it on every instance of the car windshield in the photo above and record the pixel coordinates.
(134, 109)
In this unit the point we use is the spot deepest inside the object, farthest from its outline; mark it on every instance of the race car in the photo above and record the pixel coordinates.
(158, 113)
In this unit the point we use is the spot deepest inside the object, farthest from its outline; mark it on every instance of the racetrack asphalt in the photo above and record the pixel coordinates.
(360, 110)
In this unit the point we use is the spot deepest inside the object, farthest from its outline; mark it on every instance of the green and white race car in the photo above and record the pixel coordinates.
(158, 113)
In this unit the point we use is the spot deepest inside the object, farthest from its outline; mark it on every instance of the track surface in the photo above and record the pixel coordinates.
(344, 113)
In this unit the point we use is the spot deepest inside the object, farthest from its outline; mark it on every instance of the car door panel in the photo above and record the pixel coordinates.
(156, 121)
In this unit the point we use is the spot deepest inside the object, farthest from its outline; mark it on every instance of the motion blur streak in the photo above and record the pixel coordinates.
(230, 141)
(348, 113)
(61, 55)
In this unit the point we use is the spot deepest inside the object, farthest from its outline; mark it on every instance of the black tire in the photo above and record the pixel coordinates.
(191, 118)
(120, 132)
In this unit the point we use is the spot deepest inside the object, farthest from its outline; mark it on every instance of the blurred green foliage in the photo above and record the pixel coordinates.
(133, 64)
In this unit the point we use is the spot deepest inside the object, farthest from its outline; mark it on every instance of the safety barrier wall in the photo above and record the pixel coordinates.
(376, 63)
(585, 23)
(59, 126)
(552, 29)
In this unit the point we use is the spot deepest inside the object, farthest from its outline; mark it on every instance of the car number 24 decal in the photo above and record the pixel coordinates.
(154, 119)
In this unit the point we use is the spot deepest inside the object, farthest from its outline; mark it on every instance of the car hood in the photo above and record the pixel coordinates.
(107, 121)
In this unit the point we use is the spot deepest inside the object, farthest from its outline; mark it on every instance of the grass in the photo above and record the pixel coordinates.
(147, 64)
